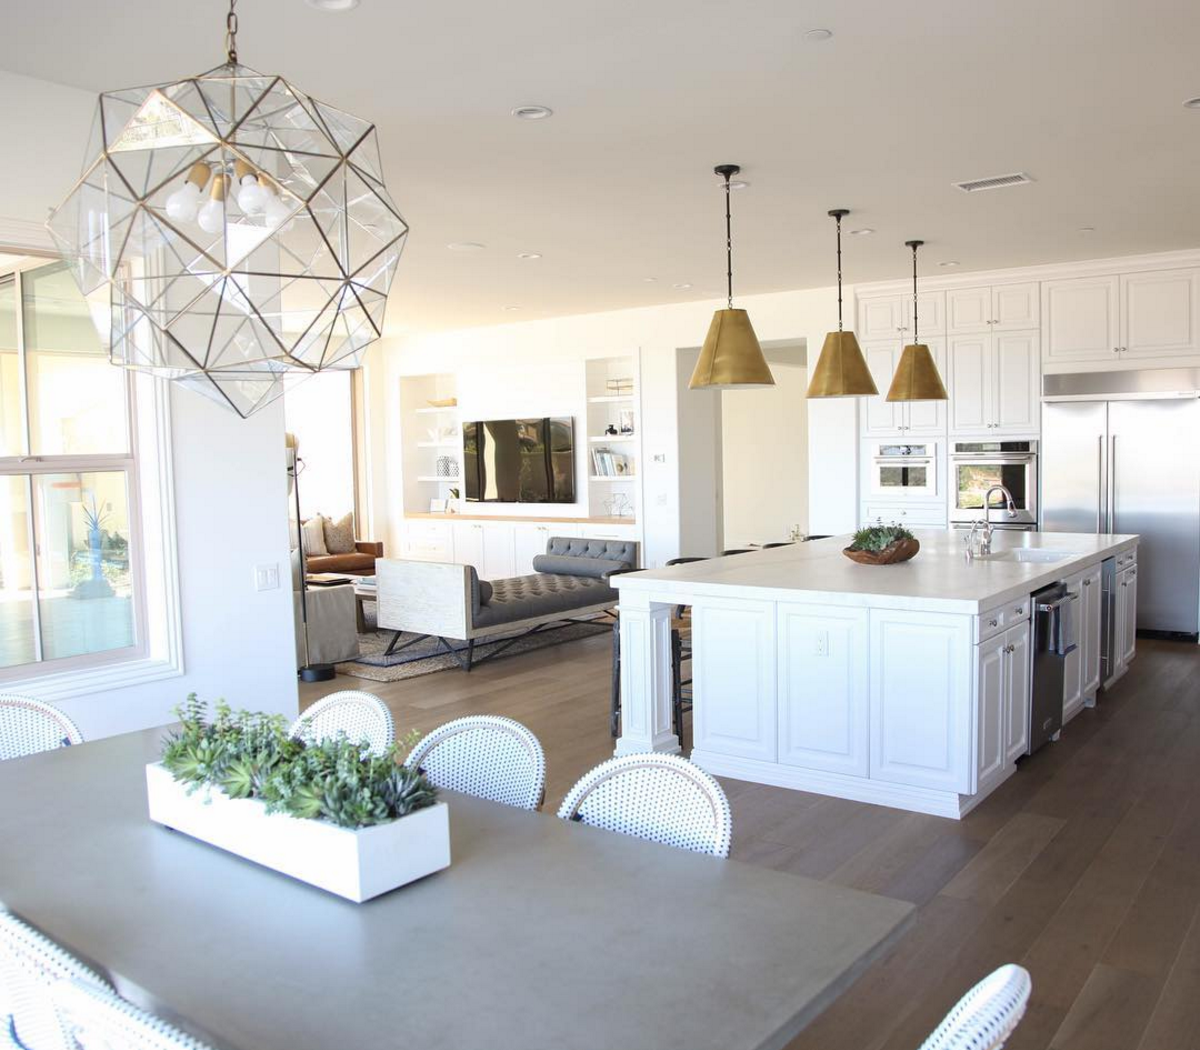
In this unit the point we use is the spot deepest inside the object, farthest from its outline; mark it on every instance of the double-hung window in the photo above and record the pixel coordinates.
(71, 573)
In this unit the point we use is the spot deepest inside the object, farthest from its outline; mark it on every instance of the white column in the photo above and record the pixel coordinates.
(645, 676)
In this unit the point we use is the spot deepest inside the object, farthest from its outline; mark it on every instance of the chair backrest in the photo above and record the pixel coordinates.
(986, 1016)
(663, 798)
(486, 756)
(28, 726)
(780, 543)
(361, 716)
(736, 550)
(684, 561)
(30, 966)
(97, 1019)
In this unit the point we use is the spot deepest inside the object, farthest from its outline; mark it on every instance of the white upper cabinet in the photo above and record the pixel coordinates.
(1136, 315)
(1159, 313)
(890, 316)
(1005, 307)
(1080, 318)
(993, 383)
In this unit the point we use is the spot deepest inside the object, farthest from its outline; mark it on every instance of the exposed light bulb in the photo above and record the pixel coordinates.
(184, 203)
(277, 212)
(211, 217)
(251, 198)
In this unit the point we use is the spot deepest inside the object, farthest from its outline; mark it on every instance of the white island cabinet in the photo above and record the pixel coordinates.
(905, 685)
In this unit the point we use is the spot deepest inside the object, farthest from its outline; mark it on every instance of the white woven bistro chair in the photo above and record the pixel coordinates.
(986, 1016)
(361, 716)
(28, 726)
(663, 798)
(486, 756)
(30, 966)
(96, 1019)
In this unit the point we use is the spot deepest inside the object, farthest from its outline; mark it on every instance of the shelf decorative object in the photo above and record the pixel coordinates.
(329, 813)
(731, 356)
(841, 369)
(231, 233)
(442, 402)
(882, 545)
(447, 467)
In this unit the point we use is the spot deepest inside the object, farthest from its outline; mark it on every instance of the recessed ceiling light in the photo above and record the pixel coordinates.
(949, 262)
(532, 112)
(650, 280)
(1087, 229)
(682, 284)
(333, 5)
(865, 231)
(511, 309)
(1192, 103)
(738, 184)
(529, 255)
(466, 246)
(817, 36)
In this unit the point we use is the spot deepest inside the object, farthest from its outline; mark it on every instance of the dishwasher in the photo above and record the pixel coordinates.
(1054, 638)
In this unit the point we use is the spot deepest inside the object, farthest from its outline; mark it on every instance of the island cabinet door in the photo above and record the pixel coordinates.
(1089, 631)
(733, 677)
(991, 664)
(922, 729)
(823, 696)
(1073, 664)
(1018, 691)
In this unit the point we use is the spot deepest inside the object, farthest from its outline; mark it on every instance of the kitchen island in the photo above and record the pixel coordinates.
(904, 685)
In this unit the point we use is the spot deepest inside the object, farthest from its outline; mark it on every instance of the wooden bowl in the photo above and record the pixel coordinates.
(899, 551)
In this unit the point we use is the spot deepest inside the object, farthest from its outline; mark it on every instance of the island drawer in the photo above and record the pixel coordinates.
(998, 620)
(1127, 558)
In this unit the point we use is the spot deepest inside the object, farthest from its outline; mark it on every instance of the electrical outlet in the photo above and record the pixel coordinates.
(266, 577)
(821, 643)
(659, 457)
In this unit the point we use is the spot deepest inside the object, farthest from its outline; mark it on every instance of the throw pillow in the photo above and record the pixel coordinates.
(314, 537)
(339, 535)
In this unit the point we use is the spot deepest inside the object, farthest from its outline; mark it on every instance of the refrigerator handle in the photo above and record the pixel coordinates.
(1099, 481)
(1112, 484)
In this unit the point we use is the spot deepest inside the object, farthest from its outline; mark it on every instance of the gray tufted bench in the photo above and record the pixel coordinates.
(442, 601)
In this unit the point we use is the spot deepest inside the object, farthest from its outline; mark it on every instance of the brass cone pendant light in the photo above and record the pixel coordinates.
(841, 369)
(917, 377)
(731, 355)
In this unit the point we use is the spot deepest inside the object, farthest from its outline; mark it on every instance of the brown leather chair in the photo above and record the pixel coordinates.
(361, 562)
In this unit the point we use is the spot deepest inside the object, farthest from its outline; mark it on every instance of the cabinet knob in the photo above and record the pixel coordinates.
(993, 623)
(1019, 609)
(1087, 583)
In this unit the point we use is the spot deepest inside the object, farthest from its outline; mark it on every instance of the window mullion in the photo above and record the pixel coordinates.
(35, 587)
(22, 377)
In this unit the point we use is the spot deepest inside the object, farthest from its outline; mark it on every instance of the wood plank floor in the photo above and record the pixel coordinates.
(1084, 867)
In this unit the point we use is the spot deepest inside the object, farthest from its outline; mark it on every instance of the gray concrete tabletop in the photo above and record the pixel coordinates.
(541, 935)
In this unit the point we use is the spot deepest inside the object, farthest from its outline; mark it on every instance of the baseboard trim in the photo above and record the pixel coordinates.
(840, 785)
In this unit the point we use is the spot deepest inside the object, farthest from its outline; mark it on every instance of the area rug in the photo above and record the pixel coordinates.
(427, 656)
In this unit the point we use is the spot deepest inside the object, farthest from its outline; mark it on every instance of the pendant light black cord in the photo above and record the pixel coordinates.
(916, 331)
(728, 244)
(838, 218)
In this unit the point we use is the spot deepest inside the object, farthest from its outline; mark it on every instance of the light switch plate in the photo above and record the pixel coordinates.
(266, 577)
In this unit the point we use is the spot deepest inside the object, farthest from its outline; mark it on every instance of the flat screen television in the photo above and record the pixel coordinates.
(519, 460)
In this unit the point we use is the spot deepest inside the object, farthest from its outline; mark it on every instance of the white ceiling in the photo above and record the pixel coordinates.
(906, 98)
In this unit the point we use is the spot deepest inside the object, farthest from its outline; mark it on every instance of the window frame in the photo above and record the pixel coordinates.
(157, 649)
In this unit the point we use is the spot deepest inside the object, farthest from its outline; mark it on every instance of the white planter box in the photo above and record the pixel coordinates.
(357, 864)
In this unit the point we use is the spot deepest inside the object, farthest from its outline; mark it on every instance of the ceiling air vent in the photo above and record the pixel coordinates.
(996, 182)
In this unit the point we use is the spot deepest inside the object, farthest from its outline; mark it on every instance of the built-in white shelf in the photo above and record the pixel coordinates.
(612, 399)
(434, 411)
(432, 477)
(612, 477)
(608, 439)
(439, 444)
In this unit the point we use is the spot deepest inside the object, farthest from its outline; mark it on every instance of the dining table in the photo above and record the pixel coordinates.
(543, 934)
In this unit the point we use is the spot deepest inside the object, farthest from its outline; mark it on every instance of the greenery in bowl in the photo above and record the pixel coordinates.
(879, 537)
(252, 755)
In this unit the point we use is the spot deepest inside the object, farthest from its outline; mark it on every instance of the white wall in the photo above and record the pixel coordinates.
(229, 475)
(764, 452)
(699, 417)
(510, 357)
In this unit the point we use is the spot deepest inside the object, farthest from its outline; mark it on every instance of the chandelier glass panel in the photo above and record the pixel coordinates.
(231, 233)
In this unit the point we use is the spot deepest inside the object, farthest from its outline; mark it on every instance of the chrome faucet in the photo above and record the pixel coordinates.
(985, 544)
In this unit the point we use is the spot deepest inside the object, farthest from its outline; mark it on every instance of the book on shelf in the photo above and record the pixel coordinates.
(609, 464)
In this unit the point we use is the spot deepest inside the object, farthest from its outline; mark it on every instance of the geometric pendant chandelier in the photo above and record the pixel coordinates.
(231, 233)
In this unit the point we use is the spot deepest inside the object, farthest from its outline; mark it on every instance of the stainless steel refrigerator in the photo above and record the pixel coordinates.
(1121, 454)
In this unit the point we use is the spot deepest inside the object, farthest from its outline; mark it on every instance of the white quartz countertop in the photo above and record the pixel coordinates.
(939, 578)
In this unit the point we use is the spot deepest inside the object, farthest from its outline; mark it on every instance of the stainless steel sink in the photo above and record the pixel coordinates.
(1029, 554)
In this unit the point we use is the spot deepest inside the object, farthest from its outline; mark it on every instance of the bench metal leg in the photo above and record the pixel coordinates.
(392, 647)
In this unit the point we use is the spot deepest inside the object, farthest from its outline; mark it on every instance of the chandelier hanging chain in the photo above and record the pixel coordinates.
(916, 329)
(231, 28)
(838, 219)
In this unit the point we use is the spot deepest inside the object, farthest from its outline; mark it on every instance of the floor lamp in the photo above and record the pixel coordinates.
(310, 672)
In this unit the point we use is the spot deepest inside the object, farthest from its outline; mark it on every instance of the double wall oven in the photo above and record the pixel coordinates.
(975, 466)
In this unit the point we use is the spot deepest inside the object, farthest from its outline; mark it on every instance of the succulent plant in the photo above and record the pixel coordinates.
(879, 537)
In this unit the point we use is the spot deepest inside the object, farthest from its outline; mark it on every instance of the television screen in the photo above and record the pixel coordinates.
(519, 461)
